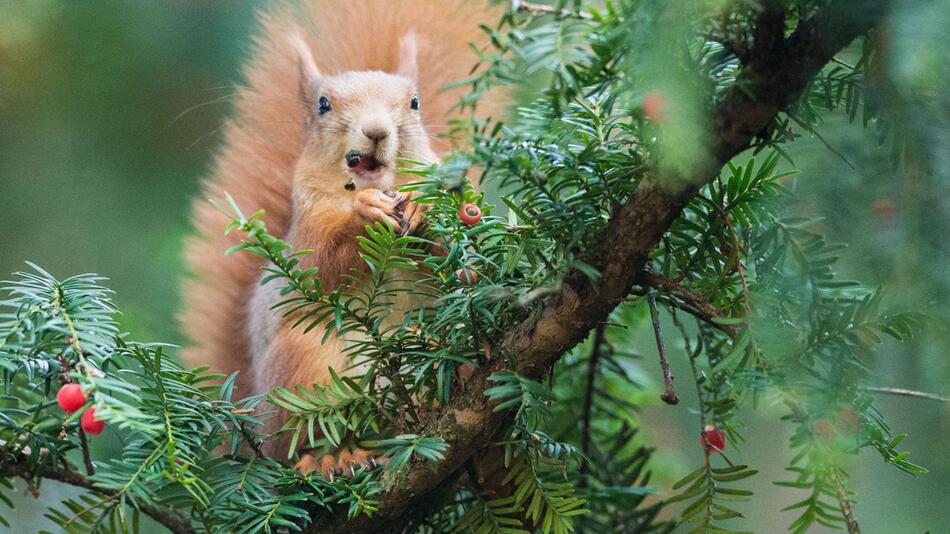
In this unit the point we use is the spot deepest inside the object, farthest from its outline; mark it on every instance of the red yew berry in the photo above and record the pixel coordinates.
(713, 439)
(824, 430)
(90, 423)
(70, 397)
(467, 276)
(470, 214)
(654, 104)
(884, 210)
(848, 422)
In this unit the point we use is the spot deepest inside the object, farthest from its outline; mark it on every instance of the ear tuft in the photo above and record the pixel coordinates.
(408, 65)
(308, 73)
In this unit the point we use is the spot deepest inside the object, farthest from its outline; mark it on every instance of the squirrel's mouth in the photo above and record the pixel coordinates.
(363, 164)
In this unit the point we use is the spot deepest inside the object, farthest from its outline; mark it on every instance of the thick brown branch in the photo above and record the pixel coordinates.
(769, 33)
(172, 520)
(762, 90)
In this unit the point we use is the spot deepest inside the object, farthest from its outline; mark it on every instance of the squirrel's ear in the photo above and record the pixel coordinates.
(408, 56)
(307, 74)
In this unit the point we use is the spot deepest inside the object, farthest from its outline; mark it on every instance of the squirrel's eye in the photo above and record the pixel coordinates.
(414, 102)
(323, 105)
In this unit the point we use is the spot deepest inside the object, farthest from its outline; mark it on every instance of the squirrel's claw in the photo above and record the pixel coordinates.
(328, 467)
(350, 461)
(413, 216)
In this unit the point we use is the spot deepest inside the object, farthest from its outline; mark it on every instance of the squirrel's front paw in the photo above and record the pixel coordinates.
(413, 215)
(374, 205)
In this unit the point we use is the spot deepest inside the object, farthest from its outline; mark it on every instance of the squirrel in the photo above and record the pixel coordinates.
(335, 93)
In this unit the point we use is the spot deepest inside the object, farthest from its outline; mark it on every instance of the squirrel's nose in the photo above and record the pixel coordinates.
(376, 134)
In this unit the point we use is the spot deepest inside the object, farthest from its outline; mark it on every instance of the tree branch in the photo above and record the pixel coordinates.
(844, 503)
(86, 458)
(669, 394)
(173, 521)
(765, 86)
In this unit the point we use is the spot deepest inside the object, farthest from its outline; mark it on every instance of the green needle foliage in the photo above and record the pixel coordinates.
(773, 321)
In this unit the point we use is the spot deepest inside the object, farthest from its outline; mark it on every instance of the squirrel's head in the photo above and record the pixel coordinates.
(358, 123)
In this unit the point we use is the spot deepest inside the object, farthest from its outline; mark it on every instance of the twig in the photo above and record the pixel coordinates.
(906, 393)
(669, 395)
(403, 395)
(842, 63)
(86, 459)
(174, 521)
(845, 504)
(692, 355)
(700, 402)
(73, 339)
(253, 443)
(83, 442)
(820, 138)
(741, 270)
(541, 9)
(592, 364)
(63, 380)
(687, 300)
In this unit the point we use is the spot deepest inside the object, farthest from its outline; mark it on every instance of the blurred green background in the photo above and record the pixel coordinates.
(110, 113)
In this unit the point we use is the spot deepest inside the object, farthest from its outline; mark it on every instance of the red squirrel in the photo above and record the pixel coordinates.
(335, 92)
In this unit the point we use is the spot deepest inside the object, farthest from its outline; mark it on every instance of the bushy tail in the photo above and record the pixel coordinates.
(265, 137)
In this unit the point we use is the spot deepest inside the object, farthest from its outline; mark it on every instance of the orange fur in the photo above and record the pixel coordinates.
(269, 161)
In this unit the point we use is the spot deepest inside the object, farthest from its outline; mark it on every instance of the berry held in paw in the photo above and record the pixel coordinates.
(470, 214)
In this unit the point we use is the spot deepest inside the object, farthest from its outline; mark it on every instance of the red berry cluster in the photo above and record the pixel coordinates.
(71, 398)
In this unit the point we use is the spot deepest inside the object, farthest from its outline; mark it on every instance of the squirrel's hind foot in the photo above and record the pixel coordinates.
(344, 464)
